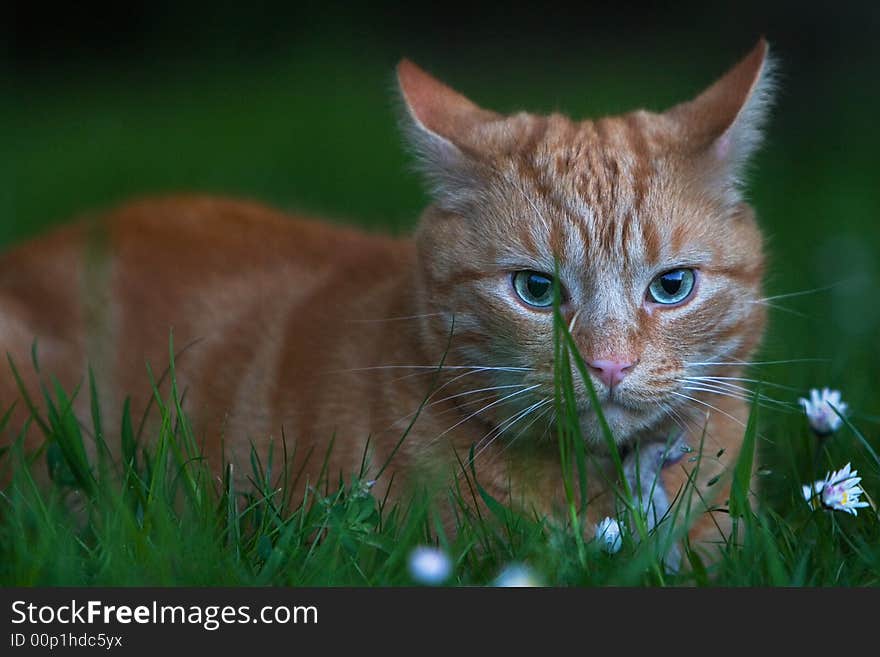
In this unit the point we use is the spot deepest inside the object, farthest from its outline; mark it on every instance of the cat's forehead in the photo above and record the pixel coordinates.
(608, 164)
(595, 190)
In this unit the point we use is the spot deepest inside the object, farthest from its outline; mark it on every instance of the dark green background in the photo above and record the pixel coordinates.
(294, 104)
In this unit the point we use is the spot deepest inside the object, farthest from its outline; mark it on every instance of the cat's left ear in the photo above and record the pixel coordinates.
(444, 128)
(724, 123)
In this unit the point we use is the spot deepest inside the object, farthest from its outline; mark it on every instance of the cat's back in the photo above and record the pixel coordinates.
(233, 281)
(257, 236)
(182, 245)
(183, 231)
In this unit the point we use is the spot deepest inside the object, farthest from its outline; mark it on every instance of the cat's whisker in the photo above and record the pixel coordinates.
(744, 363)
(457, 406)
(485, 408)
(743, 380)
(471, 392)
(423, 372)
(731, 387)
(465, 404)
(739, 391)
(668, 411)
(764, 402)
(428, 369)
(682, 413)
(718, 391)
(697, 425)
(550, 423)
(776, 306)
(479, 448)
(788, 295)
(522, 431)
(402, 318)
(530, 424)
(454, 379)
(462, 406)
(503, 426)
(517, 184)
(438, 368)
(710, 406)
(448, 383)
(760, 404)
(720, 385)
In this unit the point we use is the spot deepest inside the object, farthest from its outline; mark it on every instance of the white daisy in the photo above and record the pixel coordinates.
(839, 491)
(820, 414)
(429, 565)
(842, 490)
(516, 575)
(608, 534)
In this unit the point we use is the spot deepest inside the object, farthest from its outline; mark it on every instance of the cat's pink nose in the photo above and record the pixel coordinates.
(612, 370)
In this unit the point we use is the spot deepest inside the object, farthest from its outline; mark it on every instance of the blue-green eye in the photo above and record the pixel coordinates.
(672, 287)
(534, 288)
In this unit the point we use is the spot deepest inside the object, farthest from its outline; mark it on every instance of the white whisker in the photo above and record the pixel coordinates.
(698, 428)
(519, 187)
(714, 408)
(471, 392)
(538, 417)
(668, 411)
(731, 387)
(776, 306)
(761, 362)
(504, 426)
(457, 378)
(529, 425)
(395, 319)
(465, 404)
(718, 385)
(486, 407)
(803, 292)
(720, 391)
(741, 393)
(762, 401)
(438, 368)
(456, 407)
(743, 380)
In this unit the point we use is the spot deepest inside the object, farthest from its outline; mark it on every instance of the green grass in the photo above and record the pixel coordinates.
(156, 515)
(319, 134)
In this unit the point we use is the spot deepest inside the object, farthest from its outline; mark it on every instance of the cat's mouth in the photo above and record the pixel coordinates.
(615, 407)
(623, 416)
(615, 402)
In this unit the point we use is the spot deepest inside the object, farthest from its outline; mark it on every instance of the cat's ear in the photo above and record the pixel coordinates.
(723, 125)
(443, 127)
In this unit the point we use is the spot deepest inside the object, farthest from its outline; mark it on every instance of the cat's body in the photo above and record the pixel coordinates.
(325, 332)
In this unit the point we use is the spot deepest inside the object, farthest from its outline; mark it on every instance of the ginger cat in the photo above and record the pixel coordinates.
(328, 332)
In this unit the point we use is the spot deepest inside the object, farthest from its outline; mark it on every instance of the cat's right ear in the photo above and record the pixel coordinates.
(723, 125)
(444, 129)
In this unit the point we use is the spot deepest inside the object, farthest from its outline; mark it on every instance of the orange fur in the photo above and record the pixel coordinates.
(283, 323)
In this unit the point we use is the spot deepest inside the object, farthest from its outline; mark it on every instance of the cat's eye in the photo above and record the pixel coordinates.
(534, 288)
(672, 287)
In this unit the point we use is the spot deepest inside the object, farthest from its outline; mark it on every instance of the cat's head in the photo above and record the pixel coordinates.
(659, 257)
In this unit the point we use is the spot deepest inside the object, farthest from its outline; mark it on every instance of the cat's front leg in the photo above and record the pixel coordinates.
(642, 467)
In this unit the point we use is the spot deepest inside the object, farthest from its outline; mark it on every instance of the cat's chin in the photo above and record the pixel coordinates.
(623, 421)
